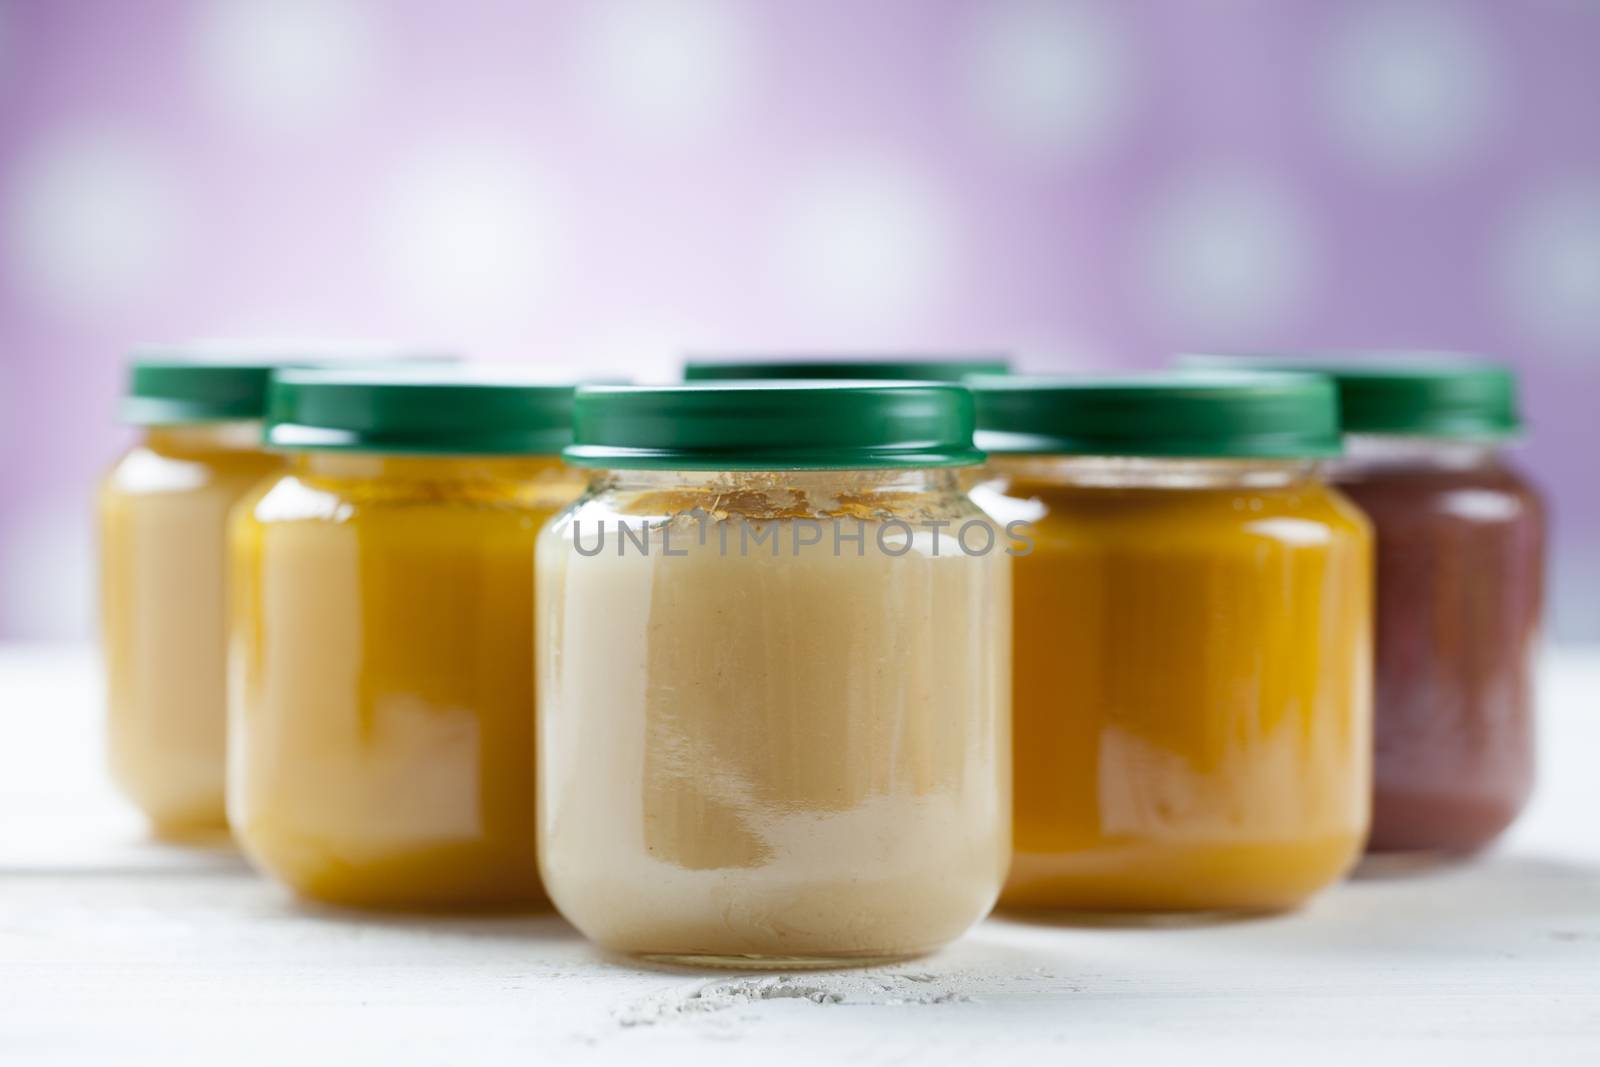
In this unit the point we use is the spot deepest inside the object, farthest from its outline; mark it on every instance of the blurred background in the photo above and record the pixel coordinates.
(605, 184)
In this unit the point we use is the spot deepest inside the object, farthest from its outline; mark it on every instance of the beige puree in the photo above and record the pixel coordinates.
(775, 757)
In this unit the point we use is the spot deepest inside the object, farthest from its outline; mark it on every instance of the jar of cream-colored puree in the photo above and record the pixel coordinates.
(163, 512)
(773, 675)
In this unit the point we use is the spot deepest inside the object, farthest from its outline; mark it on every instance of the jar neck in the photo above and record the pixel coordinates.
(1377, 451)
(762, 495)
(1153, 472)
(415, 468)
(824, 482)
(243, 435)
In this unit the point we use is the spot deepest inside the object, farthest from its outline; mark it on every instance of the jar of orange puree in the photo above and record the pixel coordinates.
(1192, 641)
(1460, 583)
(381, 663)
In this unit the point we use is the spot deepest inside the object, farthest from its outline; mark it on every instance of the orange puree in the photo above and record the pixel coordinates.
(382, 658)
(1192, 683)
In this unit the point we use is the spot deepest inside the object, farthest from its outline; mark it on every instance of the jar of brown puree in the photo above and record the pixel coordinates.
(1460, 574)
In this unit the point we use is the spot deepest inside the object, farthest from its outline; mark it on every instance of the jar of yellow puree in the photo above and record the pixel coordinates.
(774, 703)
(381, 662)
(162, 514)
(1193, 641)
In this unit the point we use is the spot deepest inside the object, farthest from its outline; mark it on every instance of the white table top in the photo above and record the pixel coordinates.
(115, 949)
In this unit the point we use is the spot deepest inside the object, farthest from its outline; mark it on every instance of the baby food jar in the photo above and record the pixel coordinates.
(1192, 666)
(381, 745)
(1460, 536)
(1460, 577)
(774, 703)
(162, 514)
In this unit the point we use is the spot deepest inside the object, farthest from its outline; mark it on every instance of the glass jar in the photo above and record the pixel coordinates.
(1460, 589)
(382, 748)
(1192, 636)
(774, 703)
(162, 523)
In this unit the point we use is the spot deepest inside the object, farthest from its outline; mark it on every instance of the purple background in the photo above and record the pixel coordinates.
(608, 183)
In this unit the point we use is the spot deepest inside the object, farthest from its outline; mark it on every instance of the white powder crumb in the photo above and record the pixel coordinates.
(851, 989)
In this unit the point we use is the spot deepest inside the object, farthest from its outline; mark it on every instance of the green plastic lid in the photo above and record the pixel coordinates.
(163, 392)
(1423, 394)
(774, 425)
(220, 381)
(437, 411)
(794, 368)
(1218, 415)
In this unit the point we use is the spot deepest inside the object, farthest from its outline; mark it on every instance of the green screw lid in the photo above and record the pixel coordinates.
(774, 425)
(1415, 393)
(164, 392)
(436, 411)
(877, 368)
(219, 381)
(1218, 415)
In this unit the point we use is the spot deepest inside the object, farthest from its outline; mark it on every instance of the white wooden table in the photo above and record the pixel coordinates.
(114, 949)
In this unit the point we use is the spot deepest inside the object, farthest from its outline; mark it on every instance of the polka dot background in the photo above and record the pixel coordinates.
(610, 183)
